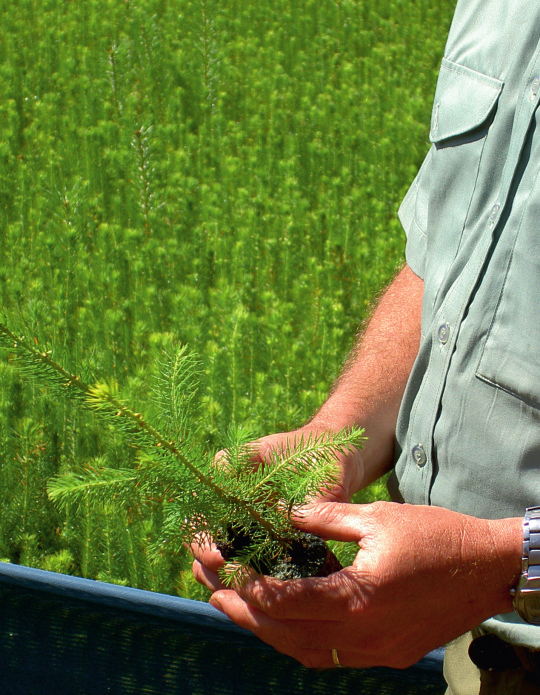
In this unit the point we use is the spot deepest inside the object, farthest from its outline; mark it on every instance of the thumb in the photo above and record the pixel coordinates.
(332, 521)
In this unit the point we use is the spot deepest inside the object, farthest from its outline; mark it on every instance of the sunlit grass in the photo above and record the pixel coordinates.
(219, 173)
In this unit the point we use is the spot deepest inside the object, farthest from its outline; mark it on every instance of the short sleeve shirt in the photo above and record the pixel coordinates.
(468, 435)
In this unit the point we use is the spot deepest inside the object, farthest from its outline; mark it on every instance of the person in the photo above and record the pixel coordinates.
(446, 382)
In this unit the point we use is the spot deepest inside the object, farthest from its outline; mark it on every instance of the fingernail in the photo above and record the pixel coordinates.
(214, 602)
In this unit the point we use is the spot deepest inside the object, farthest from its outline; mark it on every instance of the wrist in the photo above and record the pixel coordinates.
(377, 454)
(504, 538)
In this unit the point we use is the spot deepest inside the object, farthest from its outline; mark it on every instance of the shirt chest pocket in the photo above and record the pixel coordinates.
(463, 112)
(437, 209)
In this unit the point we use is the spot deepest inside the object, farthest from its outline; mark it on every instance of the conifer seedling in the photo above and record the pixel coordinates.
(246, 509)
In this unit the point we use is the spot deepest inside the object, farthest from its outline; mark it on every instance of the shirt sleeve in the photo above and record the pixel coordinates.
(413, 214)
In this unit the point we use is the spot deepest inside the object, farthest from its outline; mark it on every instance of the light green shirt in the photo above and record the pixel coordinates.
(468, 434)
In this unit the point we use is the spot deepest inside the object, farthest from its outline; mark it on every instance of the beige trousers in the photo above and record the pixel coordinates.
(463, 678)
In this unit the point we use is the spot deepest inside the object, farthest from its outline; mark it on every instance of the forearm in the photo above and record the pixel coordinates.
(369, 391)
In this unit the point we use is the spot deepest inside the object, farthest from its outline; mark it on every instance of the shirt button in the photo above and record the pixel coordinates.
(535, 85)
(493, 215)
(444, 333)
(419, 455)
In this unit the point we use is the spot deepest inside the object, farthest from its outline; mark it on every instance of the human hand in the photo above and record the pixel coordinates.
(266, 451)
(349, 464)
(423, 576)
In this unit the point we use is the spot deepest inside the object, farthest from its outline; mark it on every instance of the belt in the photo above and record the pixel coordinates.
(490, 653)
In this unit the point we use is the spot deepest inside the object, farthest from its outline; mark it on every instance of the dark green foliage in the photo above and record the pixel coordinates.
(219, 173)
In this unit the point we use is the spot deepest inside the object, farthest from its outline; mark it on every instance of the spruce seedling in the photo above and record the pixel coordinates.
(246, 508)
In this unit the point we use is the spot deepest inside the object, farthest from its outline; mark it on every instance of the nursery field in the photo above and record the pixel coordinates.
(223, 174)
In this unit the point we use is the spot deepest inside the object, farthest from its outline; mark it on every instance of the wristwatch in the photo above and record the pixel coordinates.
(526, 594)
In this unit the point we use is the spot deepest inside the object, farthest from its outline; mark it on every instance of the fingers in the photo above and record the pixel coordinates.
(327, 598)
(209, 579)
(333, 520)
(300, 599)
(337, 597)
(263, 448)
(305, 641)
(322, 658)
(207, 554)
(258, 450)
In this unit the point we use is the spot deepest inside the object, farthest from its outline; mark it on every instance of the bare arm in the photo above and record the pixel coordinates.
(369, 391)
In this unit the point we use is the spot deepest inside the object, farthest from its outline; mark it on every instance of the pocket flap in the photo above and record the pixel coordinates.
(464, 99)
